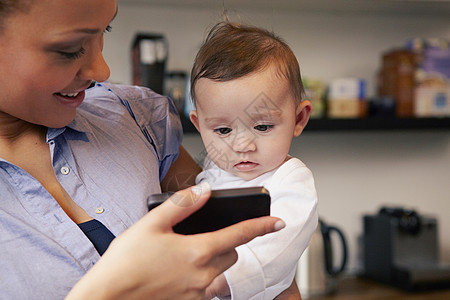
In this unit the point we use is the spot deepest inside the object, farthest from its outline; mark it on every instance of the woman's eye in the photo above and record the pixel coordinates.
(222, 130)
(263, 127)
(72, 55)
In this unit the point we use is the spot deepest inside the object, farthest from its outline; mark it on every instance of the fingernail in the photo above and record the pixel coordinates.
(279, 225)
(201, 188)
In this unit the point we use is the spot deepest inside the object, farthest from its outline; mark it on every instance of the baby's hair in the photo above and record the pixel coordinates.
(233, 50)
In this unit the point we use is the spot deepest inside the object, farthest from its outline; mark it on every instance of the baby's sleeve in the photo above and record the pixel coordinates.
(266, 266)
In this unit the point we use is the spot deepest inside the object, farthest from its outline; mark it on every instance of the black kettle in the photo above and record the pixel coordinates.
(316, 270)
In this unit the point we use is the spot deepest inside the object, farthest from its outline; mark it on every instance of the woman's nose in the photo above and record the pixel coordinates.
(95, 68)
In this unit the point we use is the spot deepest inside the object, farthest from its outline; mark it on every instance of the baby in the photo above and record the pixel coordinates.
(247, 90)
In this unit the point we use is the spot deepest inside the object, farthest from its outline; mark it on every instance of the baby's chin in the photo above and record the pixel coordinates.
(247, 176)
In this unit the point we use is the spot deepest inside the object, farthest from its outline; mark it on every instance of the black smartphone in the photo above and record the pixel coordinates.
(224, 208)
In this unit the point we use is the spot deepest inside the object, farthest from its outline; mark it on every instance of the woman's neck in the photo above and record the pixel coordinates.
(12, 128)
(16, 135)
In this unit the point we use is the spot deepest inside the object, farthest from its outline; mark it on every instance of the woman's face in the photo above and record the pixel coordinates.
(48, 56)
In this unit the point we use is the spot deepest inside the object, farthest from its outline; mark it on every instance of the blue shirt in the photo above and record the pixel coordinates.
(109, 159)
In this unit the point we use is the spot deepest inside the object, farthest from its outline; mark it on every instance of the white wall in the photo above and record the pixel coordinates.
(355, 173)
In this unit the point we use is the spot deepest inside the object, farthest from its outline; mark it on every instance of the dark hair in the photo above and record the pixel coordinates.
(9, 7)
(232, 50)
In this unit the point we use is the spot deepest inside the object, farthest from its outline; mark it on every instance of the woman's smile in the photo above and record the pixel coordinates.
(72, 100)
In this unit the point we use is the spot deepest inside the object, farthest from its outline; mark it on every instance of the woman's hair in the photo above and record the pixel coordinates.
(232, 50)
(9, 7)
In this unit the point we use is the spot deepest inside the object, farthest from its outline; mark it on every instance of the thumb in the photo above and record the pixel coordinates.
(179, 206)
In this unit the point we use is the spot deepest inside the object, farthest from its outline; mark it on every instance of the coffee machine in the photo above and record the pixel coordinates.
(401, 248)
(149, 56)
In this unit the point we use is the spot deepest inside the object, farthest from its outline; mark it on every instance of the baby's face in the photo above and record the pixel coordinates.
(247, 124)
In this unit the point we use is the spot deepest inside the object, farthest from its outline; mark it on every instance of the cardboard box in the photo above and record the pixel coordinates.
(397, 80)
(347, 98)
(432, 101)
(315, 92)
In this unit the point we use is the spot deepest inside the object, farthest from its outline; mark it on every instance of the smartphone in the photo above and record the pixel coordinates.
(224, 208)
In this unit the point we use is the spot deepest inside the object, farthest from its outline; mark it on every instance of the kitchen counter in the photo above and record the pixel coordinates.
(359, 289)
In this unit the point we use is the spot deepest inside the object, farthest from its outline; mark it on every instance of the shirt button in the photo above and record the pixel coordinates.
(99, 210)
(65, 170)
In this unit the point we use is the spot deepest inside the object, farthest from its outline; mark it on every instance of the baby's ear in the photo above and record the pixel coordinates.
(194, 118)
(302, 114)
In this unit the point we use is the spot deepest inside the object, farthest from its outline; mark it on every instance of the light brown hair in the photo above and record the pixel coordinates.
(232, 50)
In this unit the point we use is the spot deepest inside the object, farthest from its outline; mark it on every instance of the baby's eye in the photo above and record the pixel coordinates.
(222, 130)
(263, 127)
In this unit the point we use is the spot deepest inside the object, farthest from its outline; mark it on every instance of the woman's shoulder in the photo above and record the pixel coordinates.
(121, 93)
(133, 92)
(144, 105)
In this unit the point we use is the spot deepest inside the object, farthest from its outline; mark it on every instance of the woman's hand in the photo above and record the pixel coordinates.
(150, 260)
(218, 288)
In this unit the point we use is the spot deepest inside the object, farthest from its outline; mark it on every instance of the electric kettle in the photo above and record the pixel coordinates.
(316, 270)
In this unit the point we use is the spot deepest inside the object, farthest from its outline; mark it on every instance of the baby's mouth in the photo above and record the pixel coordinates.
(245, 165)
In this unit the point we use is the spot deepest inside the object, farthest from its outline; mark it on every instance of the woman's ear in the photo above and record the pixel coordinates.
(194, 119)
(302, 114)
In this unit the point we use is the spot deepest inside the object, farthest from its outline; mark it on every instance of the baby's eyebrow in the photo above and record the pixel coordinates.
(267, 114)
(216, 120)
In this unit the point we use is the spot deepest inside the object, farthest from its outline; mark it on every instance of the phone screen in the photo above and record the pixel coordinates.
(224, 208)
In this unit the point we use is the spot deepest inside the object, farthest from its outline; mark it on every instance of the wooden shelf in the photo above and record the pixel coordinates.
(380, 124)
(367, 124)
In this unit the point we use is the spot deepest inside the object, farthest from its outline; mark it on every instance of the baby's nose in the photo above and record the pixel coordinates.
(244, 142)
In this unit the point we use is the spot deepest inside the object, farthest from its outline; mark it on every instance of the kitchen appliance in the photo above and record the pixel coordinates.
(175, 86)
(316, 270)
(400, 248)
(149, 56)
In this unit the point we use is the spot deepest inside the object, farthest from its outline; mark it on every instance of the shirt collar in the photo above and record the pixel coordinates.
(77, 128)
